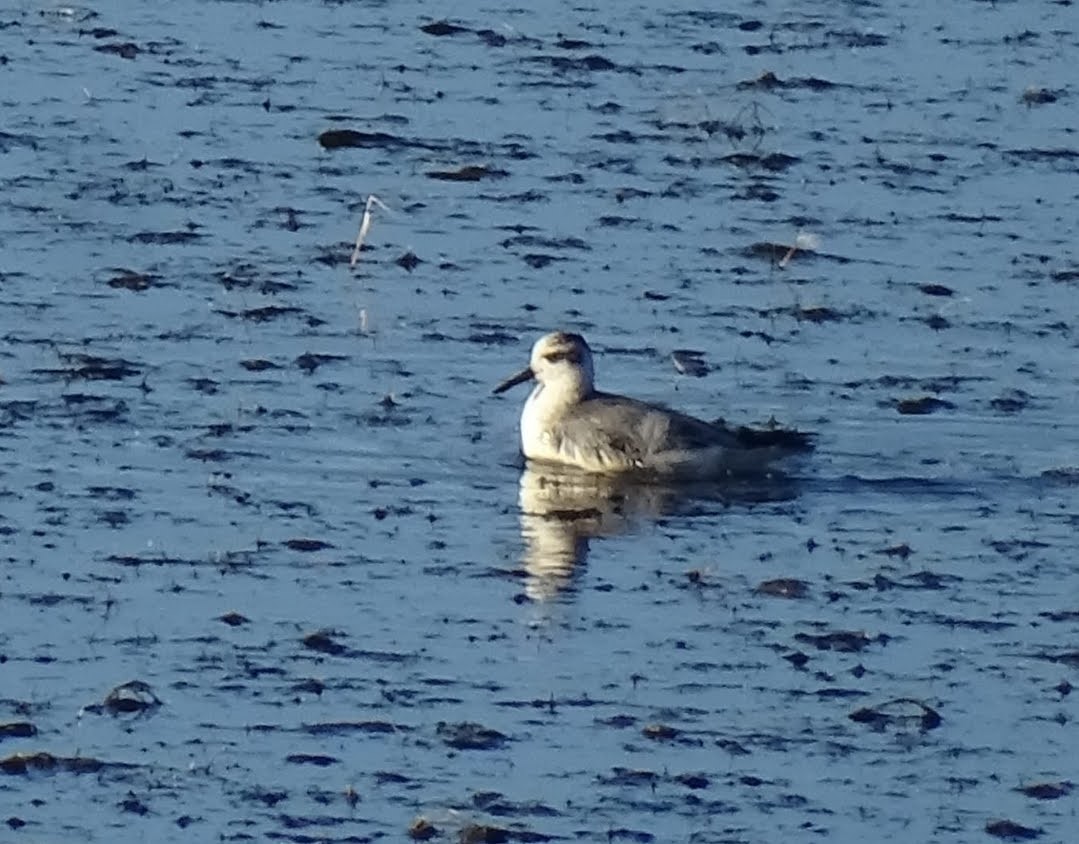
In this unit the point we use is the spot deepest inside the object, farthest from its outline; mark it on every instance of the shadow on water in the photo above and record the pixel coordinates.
(561, 512)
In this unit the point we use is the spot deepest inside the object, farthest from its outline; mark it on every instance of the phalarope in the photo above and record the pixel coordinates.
(566, 421)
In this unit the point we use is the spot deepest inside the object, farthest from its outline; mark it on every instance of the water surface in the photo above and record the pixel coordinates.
(277, 491)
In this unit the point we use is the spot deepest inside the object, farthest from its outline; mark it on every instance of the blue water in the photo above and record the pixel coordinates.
(164, 481)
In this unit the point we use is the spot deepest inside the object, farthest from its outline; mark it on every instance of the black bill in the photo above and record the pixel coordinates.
(523, 375)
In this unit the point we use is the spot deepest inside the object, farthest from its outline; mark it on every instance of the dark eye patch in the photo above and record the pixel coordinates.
(570, 354)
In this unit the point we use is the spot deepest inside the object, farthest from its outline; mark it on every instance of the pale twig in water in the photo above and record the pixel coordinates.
(365, 226)
(806, 242)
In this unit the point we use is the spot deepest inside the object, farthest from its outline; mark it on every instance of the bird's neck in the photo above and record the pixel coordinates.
(555, 397)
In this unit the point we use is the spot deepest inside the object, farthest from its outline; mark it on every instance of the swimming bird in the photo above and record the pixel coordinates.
(568, 422)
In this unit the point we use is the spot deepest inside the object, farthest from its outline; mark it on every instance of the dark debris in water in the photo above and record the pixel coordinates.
(661, 732)
(1042, 155)
(532, 241)
(251, 277)
(26, 763)
(110, 493)
(408, 261)
(1017, 549)
(819, 314)
(918, 580)
(1007, 830)
(168, 238)
(856, 40)
(1046, 790)
(941, 384)
(307, 545)
(690, 362)
(613, 221)
(467, 735)
(772, 434)
(132, 698)
(80, 366)
(123, 49)
(98, 32)
(443, 28)
(342, 138)
(422, 829)
(309, 687)
(258, 365)
(114, 518)
(457, 147)
(132, 804)
(1036, 95)
(264, 796)
(473, 833)
(317, 759)
(483, 834)
(618, 722)
(1011, 401)
(17, 729)
(900, 712)
(592, 63)
(768, 81)
(391, 419)
(695, 782)
(634, 777)
(495, 803)
(493, 338)
(1069, 658)
(324, 642)
(635, 836)
(344, 728)
(774, 162)
(1060, 615)
(773, 253)
(468, 173)
(922, 405)
(216, 455)
(206, 386)
(131, 280)
(489, 37)
(12, 412)
(936, 290)
(982, 625)
(538, 261)
(96, 409)
(783, 587)
(843, 641)
(1068, 475)
(263, 314)
(232, 559)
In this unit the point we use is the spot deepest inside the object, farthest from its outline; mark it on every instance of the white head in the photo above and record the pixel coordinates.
(560, 361)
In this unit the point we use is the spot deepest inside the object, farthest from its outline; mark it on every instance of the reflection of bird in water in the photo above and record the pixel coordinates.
(563, 510)
(567, 422)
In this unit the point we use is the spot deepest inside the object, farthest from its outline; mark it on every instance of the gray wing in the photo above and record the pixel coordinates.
(623, 433)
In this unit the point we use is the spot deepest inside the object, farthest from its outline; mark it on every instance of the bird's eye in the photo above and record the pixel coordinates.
(570, 355)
